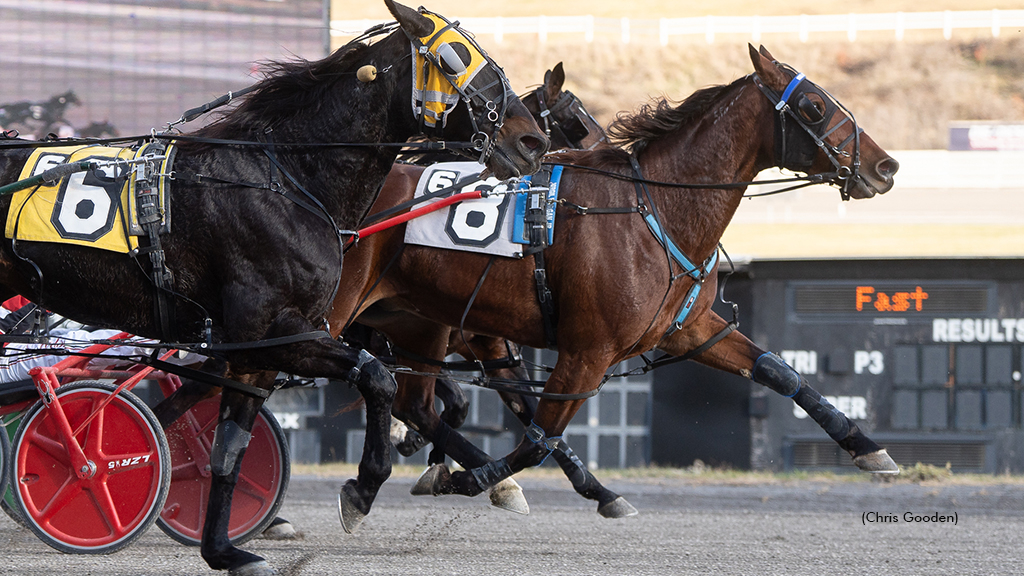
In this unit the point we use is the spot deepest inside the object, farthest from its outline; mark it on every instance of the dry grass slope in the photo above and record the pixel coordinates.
(905, 94)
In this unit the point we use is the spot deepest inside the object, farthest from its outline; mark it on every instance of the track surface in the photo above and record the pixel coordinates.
(683, 528)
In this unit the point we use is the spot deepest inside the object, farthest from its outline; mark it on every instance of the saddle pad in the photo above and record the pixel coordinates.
(87, 208)
(483, 225)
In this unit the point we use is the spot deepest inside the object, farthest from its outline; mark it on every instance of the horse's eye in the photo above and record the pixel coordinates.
(812, 111)
(453, 61)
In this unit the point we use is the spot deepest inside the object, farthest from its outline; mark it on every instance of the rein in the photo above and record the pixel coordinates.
(810, 180)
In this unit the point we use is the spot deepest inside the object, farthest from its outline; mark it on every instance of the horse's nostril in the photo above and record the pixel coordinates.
(532, 146)
(530, 142)
(886, 168)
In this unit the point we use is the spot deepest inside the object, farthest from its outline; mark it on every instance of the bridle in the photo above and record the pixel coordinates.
(572, 127)
(799, 102)
(436, 55)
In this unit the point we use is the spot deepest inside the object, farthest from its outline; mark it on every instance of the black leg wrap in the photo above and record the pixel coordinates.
(573, 467)
(821, 411)
(437, 455)
(228, 442)
(771, 371)
(489, 474)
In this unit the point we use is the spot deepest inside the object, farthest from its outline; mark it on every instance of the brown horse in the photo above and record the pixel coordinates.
(568, 126)
(621, 283)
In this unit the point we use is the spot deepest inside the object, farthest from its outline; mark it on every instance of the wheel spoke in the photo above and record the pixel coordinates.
(61, 498)
(253, 489)
(107, 509)
(51, 447)
(92, 443)
(185, 471)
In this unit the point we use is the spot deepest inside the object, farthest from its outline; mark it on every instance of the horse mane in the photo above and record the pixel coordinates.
(653, 120)
(286, 87)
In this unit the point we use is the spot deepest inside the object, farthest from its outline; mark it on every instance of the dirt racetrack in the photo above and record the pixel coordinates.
(793, 527)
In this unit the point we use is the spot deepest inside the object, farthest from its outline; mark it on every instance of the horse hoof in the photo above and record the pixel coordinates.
(398, 431)
(351, 516)
(258, 568)
(425, 485)
(508, 495)
(280, 529)
(877, 463)
(617, 508)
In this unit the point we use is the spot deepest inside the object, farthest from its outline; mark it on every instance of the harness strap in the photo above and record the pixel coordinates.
(205, 377)
(472, 298)
(668, 359)
(517, 387)
(536, 219)
(507, 362)
(584, 210)
(697, 272)
(544, 298)
(151, 220)
(268, 342)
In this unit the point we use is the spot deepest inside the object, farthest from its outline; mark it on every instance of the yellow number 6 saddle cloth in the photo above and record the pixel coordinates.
(98, 207)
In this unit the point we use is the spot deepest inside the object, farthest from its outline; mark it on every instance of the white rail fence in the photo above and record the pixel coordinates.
(664, 29)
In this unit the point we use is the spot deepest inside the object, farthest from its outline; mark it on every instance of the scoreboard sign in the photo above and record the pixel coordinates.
(874, 299)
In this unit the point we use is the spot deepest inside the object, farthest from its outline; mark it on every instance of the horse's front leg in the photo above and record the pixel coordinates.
(572, 375)
(237, 413)
(326, 357)
(738, 355)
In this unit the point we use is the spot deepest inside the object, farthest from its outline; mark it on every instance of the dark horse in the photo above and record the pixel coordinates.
(569, 126)
(621, 282)
(256, 243)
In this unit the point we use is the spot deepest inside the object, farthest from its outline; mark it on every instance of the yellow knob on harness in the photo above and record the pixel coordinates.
(367, 73)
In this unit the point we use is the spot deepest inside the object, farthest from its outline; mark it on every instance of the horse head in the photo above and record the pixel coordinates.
(564, 119)
(68, 98)
(454, 77)
(816, 134)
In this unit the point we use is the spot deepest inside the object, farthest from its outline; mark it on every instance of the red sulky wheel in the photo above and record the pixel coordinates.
(128, 450)
(262, 482)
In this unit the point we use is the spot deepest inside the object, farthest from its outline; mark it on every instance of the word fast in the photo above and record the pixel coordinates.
(882, 302)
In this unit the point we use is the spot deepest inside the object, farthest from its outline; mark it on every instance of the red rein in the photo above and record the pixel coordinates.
(396, 220)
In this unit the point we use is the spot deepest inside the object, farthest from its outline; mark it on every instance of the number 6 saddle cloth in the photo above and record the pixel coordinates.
(96, 208)
(496, 224)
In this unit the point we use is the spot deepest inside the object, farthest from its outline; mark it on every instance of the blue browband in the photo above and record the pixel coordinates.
(784, 99)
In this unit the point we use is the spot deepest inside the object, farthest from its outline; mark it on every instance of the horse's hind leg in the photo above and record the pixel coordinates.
(414, 404)
(609, 504)
(737, 354)
(572, 375)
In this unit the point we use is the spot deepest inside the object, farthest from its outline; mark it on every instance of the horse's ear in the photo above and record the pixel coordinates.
(412, 21)
(764, 52)
(553, 80)
(766, 68)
